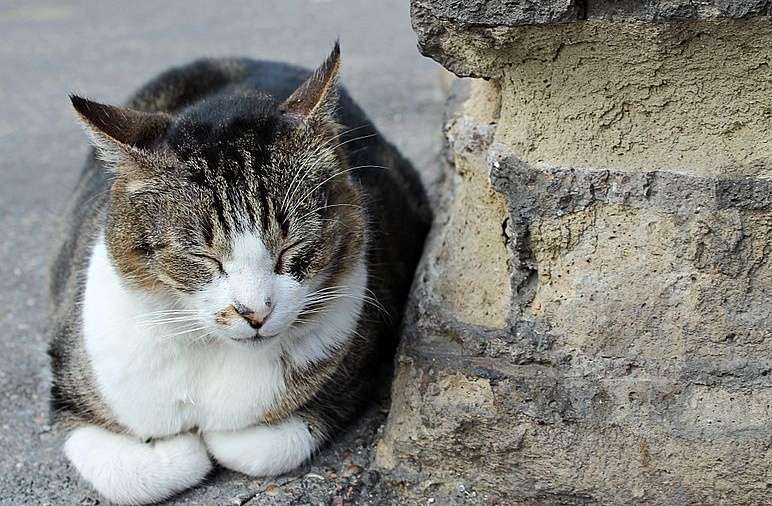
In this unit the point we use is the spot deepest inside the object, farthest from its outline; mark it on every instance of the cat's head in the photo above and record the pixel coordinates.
(238, 208)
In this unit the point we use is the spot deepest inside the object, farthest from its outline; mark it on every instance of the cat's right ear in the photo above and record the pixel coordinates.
(118, 132)
(318, 95)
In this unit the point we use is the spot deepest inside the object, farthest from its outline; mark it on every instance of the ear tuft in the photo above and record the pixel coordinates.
(318, 94)
(124, 127)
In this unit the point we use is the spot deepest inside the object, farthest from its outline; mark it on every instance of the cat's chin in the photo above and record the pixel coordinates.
(256, 338)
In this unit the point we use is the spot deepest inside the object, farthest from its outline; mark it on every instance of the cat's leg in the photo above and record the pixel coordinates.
(264, 450)
(128, 471)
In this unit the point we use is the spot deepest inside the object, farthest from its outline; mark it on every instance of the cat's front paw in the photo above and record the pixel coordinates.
(263, 450)
(126, 470)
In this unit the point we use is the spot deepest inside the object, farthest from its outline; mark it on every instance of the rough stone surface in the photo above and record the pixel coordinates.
(500, 13)
(669, 10)
(473, 43)
(632, 361)
(663, 102)
(507, 13)
(105, 50)
(472, 281)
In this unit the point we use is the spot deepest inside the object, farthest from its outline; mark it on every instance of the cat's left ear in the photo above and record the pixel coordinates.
(117, 131)
(318, 95)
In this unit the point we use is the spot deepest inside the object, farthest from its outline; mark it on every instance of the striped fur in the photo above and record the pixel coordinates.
(257, 199)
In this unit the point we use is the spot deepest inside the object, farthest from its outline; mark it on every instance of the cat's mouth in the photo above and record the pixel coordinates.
(255, 339)
(257, 336)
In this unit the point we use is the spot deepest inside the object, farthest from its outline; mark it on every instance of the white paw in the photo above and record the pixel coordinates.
(263, 450)
(128, 471)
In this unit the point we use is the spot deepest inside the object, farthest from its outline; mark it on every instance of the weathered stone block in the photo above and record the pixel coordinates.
(592, 321)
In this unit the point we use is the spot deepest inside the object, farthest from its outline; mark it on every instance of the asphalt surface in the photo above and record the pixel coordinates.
(105, 50)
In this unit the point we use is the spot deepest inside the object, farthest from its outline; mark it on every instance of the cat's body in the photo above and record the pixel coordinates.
(304, 262)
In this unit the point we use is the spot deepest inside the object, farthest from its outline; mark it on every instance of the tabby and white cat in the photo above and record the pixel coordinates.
(225, 273)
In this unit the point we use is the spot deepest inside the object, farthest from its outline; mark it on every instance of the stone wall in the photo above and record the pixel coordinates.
(592, 321)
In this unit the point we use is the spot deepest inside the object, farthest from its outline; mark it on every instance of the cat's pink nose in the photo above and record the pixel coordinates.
(254, 318)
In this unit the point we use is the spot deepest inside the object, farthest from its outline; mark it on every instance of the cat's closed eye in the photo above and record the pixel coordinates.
(144, 249)
(281, 258)
(211, 260)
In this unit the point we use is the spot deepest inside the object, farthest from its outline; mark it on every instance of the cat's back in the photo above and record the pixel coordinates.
(183, 86)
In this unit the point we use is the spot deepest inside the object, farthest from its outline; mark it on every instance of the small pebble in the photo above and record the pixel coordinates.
(370, 478)
(272, 489)
(351, 470)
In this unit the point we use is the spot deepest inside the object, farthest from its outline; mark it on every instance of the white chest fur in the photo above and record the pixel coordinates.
(158, 386)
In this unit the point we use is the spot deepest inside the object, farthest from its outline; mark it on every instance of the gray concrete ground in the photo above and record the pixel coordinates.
(105, 50)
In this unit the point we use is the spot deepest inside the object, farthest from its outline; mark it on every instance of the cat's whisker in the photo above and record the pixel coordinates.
(306, 195)
(341, 289)
(326, 291)
(371, 302)
(154, 315)
(203, 337)
(183, 332)
(329, 288)
(363, 298)
(155, 323)
(333, 148)
(312, 211)
(303, 173)
(170, 313)
(337, 174)
(316, 151)
(319, 153)
(320, 157)
(165, 320)
(163, 335)
(303, 321)
(167, 315)
(172, 309)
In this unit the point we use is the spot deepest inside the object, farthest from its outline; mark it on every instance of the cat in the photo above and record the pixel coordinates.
(233, 269)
